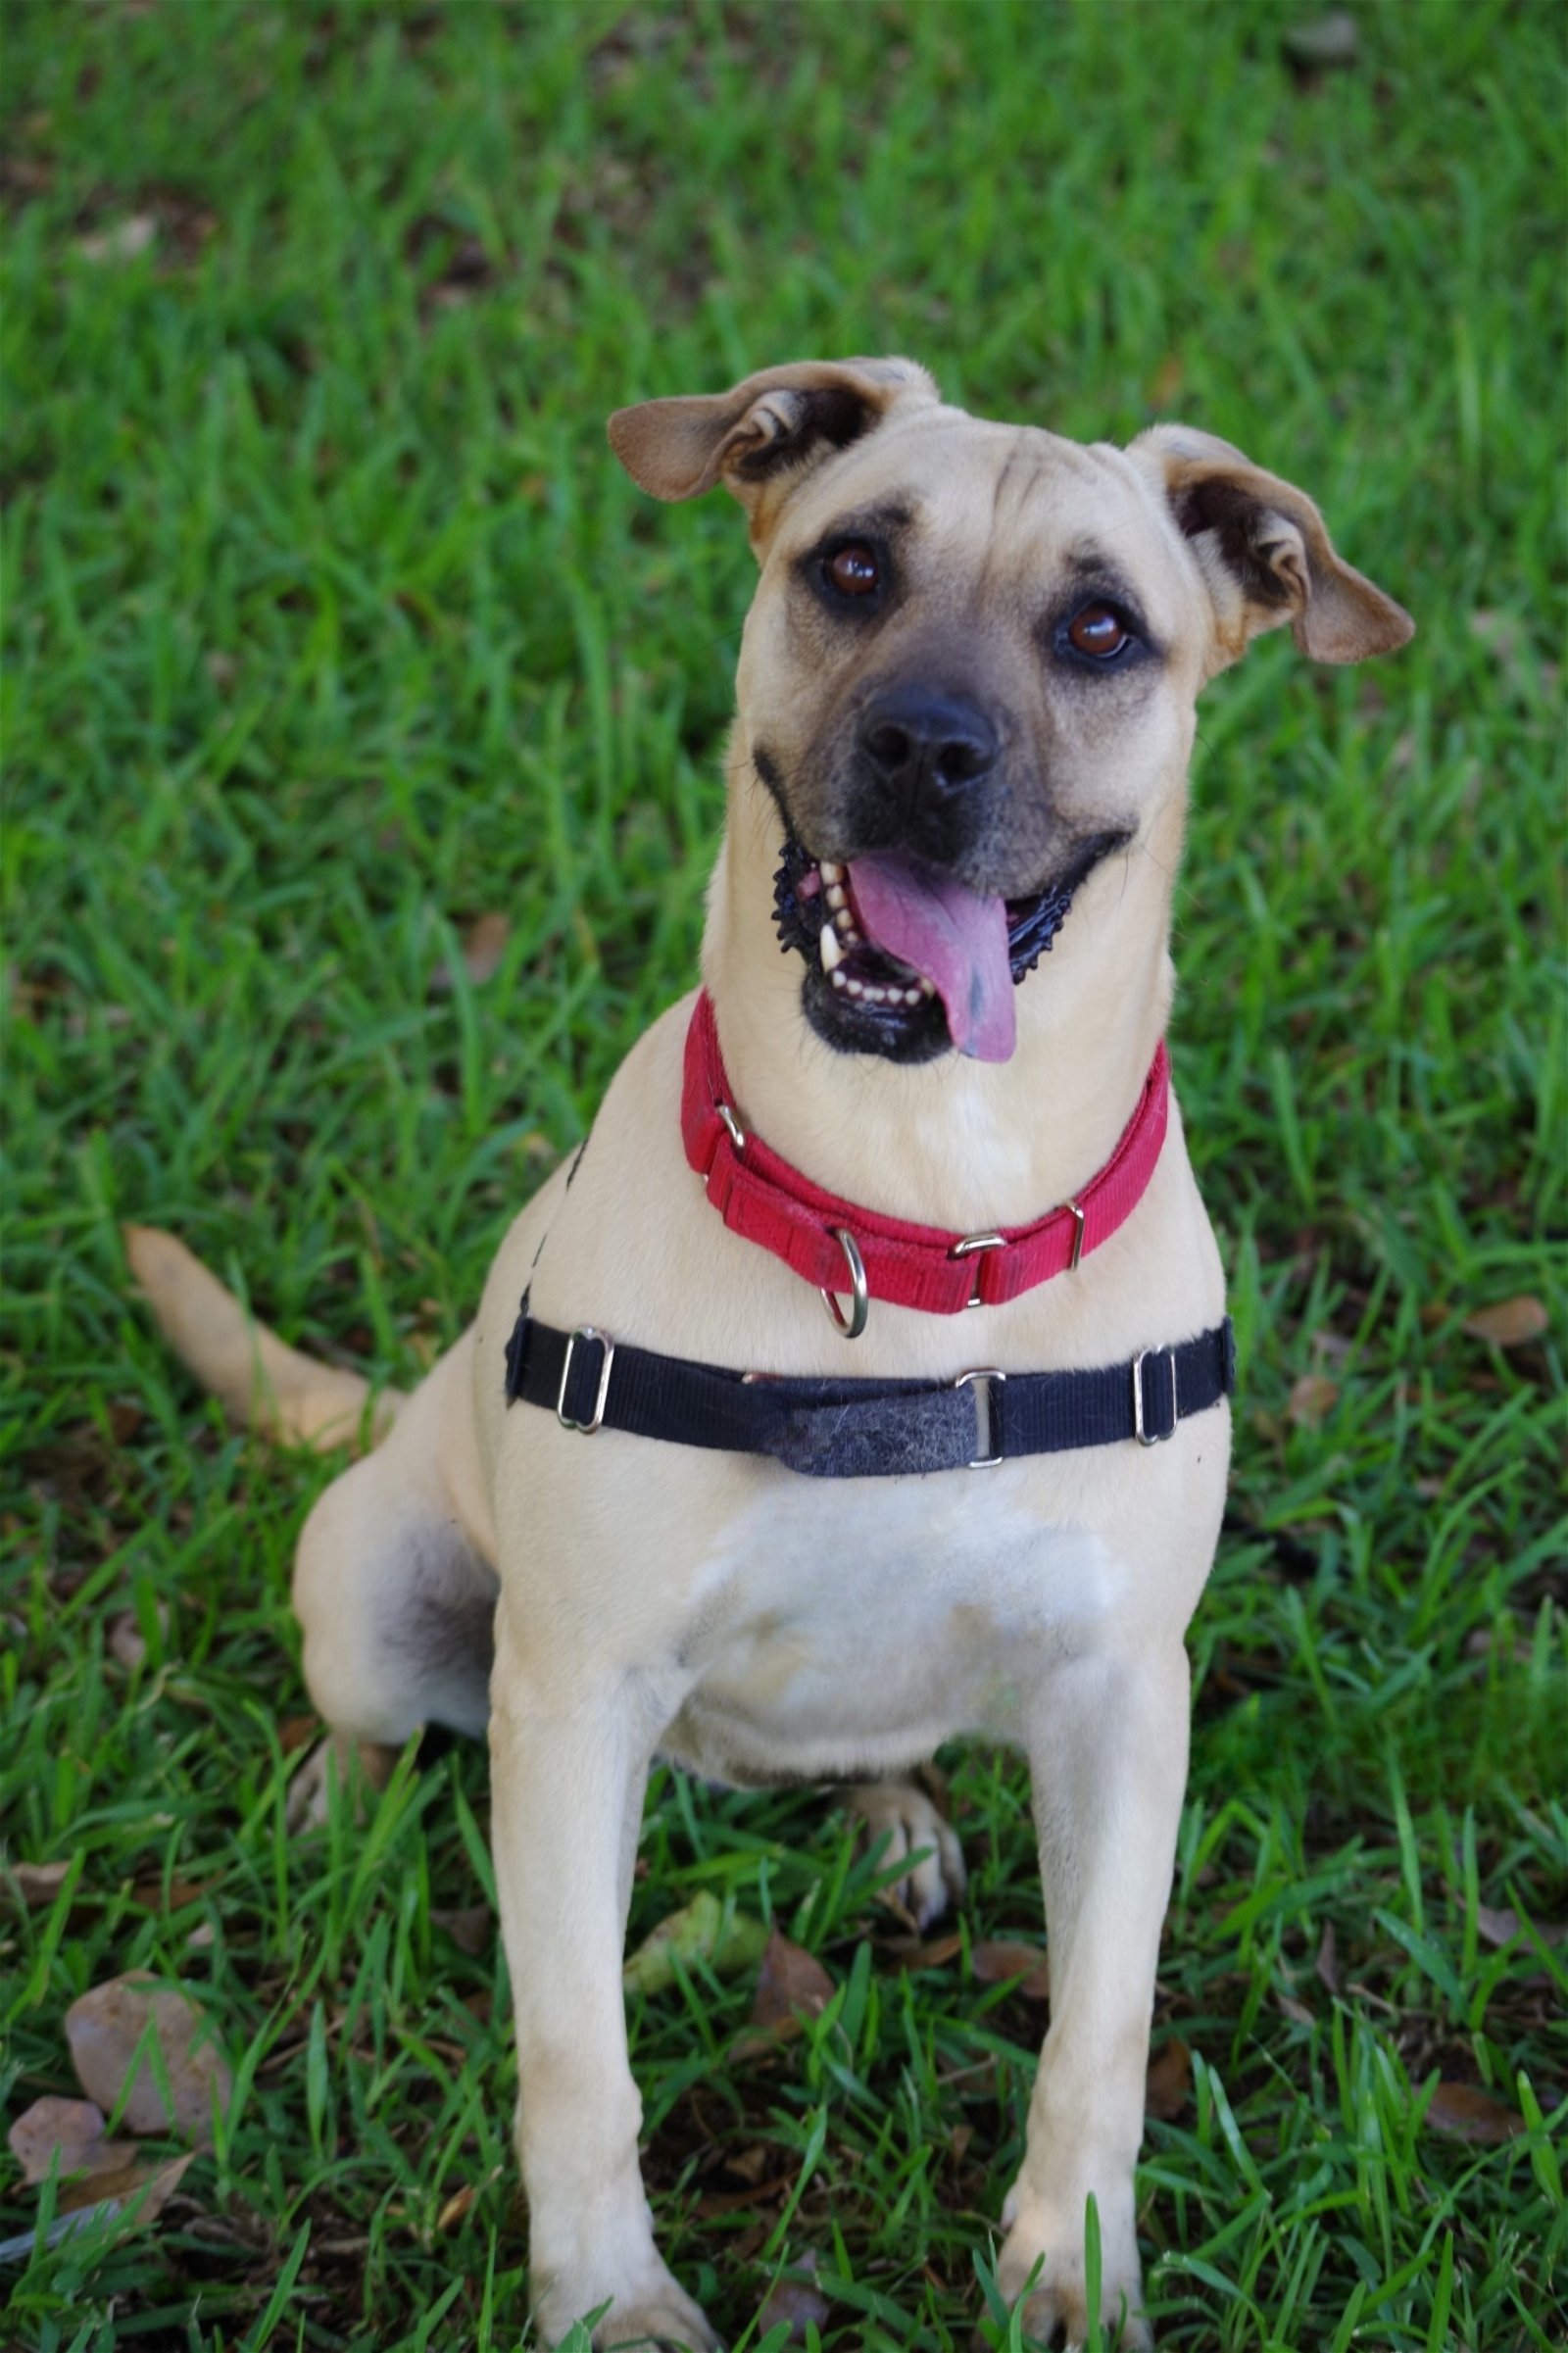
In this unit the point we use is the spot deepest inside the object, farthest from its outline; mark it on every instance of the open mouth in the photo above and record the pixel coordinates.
(903, 959)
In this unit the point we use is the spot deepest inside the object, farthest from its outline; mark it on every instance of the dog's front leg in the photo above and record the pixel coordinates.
(1108, 1755)
(569, 1752)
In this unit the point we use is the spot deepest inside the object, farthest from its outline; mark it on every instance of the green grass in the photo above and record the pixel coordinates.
(331, 625)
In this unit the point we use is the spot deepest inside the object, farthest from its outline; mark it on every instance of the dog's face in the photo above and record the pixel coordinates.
(968, 675)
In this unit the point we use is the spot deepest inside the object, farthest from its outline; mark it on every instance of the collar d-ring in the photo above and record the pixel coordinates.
(853, 1324)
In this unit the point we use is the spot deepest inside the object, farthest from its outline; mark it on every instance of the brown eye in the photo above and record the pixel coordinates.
(1099, 631)
(853, 570)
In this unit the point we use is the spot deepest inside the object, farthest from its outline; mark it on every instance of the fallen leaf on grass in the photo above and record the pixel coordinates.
(471, 1928)
(122, 242)
(483, 946)
(456, 2207)
(72, 2131)
(791, 1980)
(1327, 1964)
(297, 1731)
(38, 1883)
(153, 2184)
(993, 1964)
(105, 2029)
(1502, 1926)
(153, 1897)
(1468, 2113)
(1510, 1323)
(1294, 2010)
(126, 1638)
(1324, 44)
(796, 2300)
(1312, 1398)
(1169, 2081)
(917, 1952)
(698, 1932)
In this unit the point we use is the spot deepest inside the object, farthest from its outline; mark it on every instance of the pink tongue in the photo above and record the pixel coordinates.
(955, 938)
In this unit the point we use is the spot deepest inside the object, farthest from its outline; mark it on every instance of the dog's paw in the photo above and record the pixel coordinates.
(1046, 2270)
(895, 1811)
(665, 2322)
(647, 2311)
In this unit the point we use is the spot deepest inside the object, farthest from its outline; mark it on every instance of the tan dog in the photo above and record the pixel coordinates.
(966, 683)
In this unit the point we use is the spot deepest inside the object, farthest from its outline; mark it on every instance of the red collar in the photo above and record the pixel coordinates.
(763, 1200)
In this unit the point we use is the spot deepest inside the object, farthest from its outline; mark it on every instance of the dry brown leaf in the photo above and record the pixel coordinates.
(791, 1980)
(154, 2184)
(1294, 2010)
(154, 1896)
(297, 1731)
(471, 1928)
(1169, 2081)
(72, 2131)
(122, 242)
(929, 1952)
(484, 944)
(1471, 2113)
(1323, 45)
(796, 2300)
(1327, 1964)
(456, 2207)
(38, 1883)
(1510, 1323)
(105, 2027)
(995, 1963)
(751, 2165)
(1312, 1399)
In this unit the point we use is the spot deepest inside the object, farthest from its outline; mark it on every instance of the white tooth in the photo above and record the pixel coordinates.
(832, 953)
(875, 995)
(911, 995)
(838, 977)
(829, 871)
(835, 895)
(846, 931)
(927, 987)
(856, 988)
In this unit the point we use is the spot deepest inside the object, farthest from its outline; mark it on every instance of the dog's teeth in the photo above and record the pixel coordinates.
(839, 977)
(835, 895)
(856, 988)
(842, 915)
(832, 953)
(912, 996)
(875, 995)
(927, 987)
(829, 872)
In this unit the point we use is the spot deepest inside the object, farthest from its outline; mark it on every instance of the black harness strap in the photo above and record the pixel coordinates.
(865, 1429)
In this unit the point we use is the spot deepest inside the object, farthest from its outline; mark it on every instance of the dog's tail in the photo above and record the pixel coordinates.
(260, 1382)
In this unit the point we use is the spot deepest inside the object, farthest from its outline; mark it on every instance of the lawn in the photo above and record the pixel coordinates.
(331, 627)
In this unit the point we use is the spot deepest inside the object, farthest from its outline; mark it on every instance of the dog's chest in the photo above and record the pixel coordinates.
(855, 1630)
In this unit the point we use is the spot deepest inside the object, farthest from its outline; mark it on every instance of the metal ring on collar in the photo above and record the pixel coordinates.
(853, 1324)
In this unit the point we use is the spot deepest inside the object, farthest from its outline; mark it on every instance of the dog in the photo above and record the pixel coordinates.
(957, 793)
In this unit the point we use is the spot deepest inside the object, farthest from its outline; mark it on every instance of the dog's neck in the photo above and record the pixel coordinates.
(955, 1144)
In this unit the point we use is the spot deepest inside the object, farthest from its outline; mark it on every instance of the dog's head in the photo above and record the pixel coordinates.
(968, 675)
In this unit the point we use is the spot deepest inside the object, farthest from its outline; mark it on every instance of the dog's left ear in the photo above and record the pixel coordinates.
(763, 431)
(1265, 553)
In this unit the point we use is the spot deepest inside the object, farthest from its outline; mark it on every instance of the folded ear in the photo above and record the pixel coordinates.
(1265, 555)
(766, 428)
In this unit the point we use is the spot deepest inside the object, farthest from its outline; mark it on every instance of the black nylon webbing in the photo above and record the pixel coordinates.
(866, 1429)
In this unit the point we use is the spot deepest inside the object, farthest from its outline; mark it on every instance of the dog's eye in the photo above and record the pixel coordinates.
(853, 570)
(1097, 630)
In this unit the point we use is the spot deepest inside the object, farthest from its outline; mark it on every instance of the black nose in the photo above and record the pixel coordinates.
(920, 743)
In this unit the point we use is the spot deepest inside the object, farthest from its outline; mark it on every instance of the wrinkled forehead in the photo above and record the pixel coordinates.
(993, 501)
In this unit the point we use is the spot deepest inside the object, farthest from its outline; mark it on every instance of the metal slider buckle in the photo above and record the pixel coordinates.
(1144, 1438)
(983, 1372)
(585, 1332)
(970, 1247)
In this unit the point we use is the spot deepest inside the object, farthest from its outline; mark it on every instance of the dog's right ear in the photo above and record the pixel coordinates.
(769, 428)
